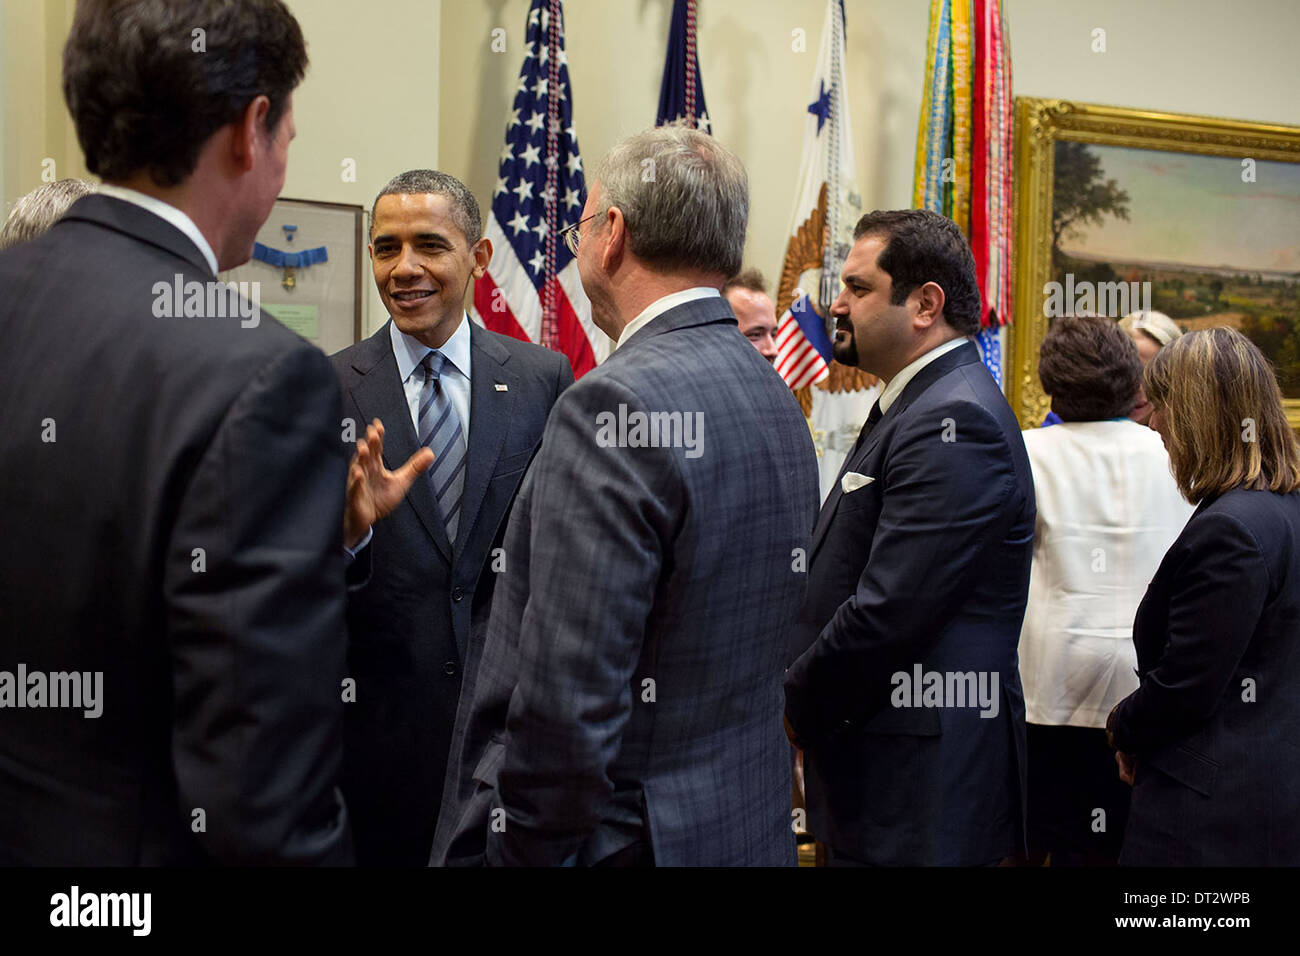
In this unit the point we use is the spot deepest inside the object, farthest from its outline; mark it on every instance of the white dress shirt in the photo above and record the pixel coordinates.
(166, 212)
(455, 379)
(889, 394)
(1108, 510)
(661, 305)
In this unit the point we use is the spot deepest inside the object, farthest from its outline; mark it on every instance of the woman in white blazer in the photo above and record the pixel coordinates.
(1108, 509)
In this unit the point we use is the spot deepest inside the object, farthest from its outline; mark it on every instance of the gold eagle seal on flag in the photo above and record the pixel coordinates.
(802, 271)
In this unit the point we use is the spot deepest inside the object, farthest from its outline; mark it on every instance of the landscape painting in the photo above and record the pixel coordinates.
(1208, 240)
(1121, 209)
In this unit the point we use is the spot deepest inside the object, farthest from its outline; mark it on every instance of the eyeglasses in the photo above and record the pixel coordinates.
(570, 234)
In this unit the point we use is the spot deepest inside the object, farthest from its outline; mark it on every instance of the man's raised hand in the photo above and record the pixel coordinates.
(373, 490)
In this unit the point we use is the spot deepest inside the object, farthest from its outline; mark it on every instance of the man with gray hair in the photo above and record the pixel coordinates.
(40, 209)
(626, 708)
(437, 388)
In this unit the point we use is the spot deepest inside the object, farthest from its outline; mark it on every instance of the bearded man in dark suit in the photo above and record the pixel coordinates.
(905, 689)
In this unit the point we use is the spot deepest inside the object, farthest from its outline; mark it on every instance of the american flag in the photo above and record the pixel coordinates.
(531, 290)
(803, 348)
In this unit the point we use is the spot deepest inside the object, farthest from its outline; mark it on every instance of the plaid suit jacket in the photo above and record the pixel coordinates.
(630, 685)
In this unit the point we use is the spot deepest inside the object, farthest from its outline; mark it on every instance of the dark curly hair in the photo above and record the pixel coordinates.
(146, 89)
(920, 247)
(1090, 368)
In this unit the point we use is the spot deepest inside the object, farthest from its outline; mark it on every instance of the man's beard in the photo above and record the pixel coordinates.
(844, 347)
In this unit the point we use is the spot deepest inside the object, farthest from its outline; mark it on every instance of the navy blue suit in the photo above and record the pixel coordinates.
(1215, 721)
(410, 623)
(926, 565)
(181, 534)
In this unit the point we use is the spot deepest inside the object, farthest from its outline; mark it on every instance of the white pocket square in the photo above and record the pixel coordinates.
(852, 481)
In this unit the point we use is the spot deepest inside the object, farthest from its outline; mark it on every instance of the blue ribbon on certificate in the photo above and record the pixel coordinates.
(289, 260)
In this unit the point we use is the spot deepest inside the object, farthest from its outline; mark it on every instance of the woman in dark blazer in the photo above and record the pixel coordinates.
(1210, 740)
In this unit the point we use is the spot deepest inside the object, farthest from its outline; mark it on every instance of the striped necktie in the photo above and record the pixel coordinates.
(440, 430)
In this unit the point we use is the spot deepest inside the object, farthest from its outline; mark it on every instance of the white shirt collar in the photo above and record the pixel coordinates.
(410, 351)
(889, 394)
(661, 305)
(166, 212)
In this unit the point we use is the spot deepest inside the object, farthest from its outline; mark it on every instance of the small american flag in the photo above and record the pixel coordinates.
(803, 348)
(531, 290)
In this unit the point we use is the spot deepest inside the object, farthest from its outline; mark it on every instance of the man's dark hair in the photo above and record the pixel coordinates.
(750, 279)
(920, 247)
(149, 81)
(1090, 368)
(464, 207)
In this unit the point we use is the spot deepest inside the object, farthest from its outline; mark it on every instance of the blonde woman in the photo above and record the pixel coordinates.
(1150, 332)
(1210, 740)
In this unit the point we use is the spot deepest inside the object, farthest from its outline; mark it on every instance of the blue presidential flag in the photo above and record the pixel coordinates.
(681, 94)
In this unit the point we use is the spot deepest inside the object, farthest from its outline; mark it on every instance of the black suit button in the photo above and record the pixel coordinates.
(450, 668)
(457, 593)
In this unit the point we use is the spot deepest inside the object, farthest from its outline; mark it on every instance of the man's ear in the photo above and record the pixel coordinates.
(930, 300)
(617, 226)
(482, 253)
(250, 133)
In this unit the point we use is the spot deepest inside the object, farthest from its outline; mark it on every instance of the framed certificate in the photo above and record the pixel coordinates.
(307, 264)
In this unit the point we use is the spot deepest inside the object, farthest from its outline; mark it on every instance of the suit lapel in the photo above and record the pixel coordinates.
(490, 411)
(923, 379)
(379, 395)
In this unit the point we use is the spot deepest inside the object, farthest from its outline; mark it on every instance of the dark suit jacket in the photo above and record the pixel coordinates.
(1215, 721)
(221, 666)
(630, 688)
(411, 623)
(928, 565)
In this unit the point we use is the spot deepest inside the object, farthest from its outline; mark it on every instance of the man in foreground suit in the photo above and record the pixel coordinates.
(919, 567)
(166, 475)
(627, 706)
(432, 563)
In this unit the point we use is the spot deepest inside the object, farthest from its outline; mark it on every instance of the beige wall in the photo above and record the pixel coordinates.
(34, 123)
(1234, 60)
(369, 96)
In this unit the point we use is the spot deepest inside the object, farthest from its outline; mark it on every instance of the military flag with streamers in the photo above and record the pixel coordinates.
(964, 149)
(681, 92)
(827, 205)
(531, 290)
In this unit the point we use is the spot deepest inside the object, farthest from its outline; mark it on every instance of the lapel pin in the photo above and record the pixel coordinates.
(502, 388)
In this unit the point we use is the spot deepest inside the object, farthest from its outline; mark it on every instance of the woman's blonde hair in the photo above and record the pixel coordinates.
(1226, 427)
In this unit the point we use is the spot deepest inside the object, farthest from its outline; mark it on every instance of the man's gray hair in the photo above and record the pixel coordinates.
(464, 207)
(40, 209)
(684, 197)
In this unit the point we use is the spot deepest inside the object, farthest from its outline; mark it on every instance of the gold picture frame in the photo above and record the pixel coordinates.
(1040, 125)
